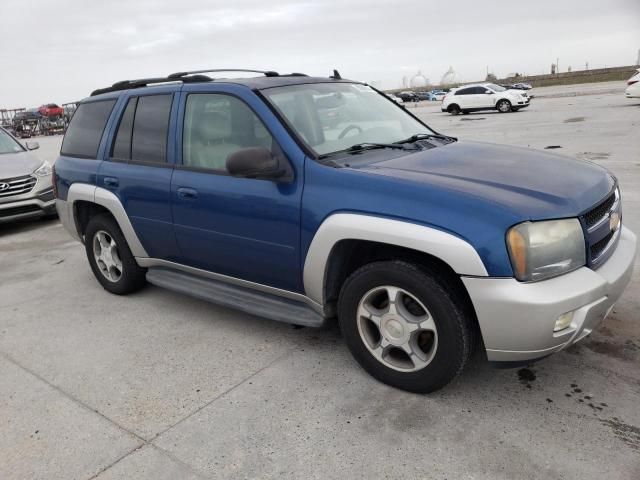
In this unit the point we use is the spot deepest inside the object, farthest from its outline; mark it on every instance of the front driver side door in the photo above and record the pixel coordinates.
(245, 228)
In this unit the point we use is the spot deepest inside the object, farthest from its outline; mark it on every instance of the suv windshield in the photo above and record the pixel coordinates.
(331, 117)
(495, 88)
(8, 144)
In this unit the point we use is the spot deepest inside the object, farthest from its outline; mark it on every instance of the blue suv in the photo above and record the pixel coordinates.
(305, 199)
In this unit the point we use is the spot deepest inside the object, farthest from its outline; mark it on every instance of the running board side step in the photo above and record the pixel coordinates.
(250, 301)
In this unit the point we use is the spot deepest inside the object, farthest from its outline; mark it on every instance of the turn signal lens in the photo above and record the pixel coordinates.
(518, 250)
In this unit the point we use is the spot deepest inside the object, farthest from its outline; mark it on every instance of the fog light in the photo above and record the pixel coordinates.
(563, 321)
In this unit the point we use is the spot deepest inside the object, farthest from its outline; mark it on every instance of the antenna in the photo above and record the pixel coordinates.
(336, 75)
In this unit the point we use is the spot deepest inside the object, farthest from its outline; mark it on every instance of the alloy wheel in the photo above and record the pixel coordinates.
(105, 252)
(397, 328)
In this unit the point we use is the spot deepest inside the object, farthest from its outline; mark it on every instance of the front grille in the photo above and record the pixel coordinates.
(16, 185)
(597, 248)
(601, 232)
(593, 216)
(9, 212)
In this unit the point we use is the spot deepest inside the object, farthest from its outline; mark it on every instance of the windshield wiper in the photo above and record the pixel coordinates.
(423, 136)
(360, 147)
(370, 146)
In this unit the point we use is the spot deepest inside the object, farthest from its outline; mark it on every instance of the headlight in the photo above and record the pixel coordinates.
(541, 250)
(43, 170)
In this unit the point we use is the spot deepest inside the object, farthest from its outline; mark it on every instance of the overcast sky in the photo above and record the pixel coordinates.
(58, 51)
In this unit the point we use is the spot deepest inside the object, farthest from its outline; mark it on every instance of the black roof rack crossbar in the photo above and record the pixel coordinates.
(266, 73)
(143, 82)
(185, 77)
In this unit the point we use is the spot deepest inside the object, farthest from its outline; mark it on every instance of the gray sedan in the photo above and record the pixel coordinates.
(25, 181)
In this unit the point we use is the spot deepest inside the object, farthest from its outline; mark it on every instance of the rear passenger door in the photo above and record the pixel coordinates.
(246, 228)
(464, 98)
(139, 166)
(482, 98)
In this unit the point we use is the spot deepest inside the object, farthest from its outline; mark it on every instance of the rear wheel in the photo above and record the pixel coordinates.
(110, 258)
(403, 327)
(454, 109)
(503, 106)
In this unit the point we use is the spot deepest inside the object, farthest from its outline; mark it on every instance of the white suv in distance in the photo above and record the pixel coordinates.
(484, 96)
(633, 89)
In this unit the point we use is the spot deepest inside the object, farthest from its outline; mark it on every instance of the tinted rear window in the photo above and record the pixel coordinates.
(149, 142)
(85, 130)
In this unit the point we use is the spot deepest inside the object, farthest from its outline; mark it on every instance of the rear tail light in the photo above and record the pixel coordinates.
(54, 181)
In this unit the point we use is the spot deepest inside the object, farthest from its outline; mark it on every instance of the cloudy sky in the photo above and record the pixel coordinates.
(58, 51)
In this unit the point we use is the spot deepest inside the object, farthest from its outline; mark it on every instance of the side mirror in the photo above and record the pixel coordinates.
(258, 162)
(32, 145)
(489, 92)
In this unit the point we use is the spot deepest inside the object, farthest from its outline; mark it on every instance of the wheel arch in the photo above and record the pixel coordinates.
(85, 201)
(345, 239)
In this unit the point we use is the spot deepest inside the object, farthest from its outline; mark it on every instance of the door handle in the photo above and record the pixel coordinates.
(184, 192)
(110, 182)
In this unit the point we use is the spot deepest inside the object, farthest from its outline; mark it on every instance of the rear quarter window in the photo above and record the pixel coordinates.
(86, 128)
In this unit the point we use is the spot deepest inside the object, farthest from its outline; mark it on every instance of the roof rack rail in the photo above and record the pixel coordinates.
(266, 73)
(185, 77)
(143, 82)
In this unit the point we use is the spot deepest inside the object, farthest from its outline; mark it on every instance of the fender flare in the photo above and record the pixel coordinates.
(107, 199)
(454, 251)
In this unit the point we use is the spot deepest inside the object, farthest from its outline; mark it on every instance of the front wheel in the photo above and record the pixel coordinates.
(454, 110)
(403, 326)
(110, 258)
(504, 106)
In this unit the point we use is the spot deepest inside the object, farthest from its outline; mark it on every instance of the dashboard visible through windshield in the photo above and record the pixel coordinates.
(332, 117)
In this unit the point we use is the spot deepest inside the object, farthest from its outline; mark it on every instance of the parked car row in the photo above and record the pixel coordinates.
(431, 96)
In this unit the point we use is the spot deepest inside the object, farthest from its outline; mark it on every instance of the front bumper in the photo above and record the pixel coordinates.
(517, 319)
(633, 91)
(36, 203)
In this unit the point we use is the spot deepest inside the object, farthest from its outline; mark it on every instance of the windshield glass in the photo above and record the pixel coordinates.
(496, 88)
(331, 117)
(8, 144)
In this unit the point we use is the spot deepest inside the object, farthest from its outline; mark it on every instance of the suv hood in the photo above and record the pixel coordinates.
(529, 184)
(18, 164)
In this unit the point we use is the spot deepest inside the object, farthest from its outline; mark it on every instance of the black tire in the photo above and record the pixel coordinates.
(454, 109)
(455, 332)
(503, 106)
(132, 277)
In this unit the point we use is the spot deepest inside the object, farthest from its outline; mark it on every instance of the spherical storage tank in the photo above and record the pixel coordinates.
(449, 77)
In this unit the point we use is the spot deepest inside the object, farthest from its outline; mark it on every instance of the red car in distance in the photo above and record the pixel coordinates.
(51, 110)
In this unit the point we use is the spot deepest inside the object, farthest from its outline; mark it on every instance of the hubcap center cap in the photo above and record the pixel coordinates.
(393, 330)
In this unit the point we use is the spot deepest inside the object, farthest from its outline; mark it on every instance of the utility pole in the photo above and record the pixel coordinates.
(638, 59)
(557, 65)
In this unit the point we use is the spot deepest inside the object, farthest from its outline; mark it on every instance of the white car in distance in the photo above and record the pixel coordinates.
(633, 88)
(484, 96)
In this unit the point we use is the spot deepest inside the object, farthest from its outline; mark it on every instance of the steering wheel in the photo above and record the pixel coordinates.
(344, 132)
